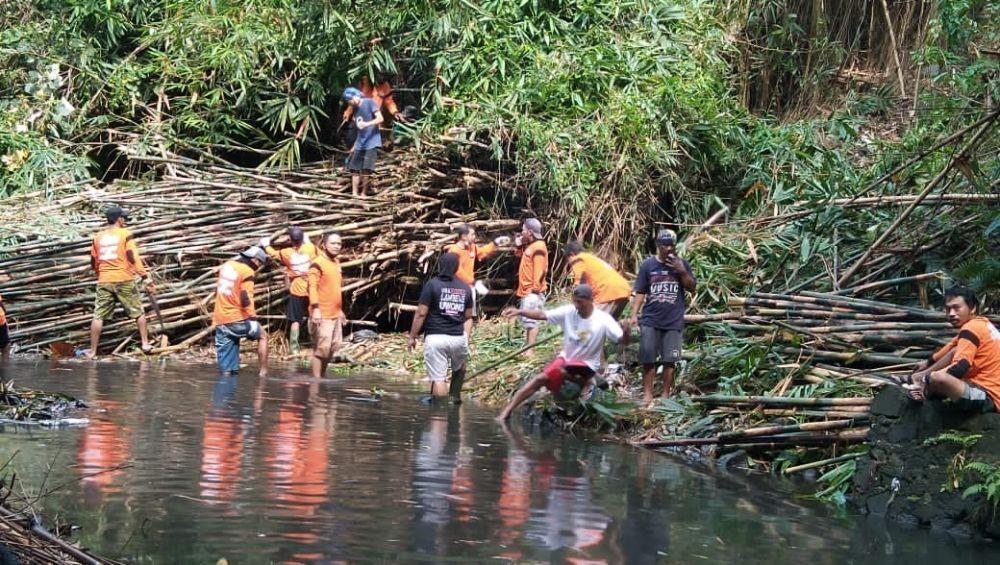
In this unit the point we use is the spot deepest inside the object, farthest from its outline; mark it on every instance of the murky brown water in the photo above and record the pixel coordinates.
(178, 466)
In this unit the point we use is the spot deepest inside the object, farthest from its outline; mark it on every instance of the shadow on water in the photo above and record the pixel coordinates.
(178, 465)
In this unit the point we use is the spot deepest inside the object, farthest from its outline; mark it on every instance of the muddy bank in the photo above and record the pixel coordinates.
(918, 468)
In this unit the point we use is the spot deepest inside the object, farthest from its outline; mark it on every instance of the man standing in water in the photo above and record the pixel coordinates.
(659, 295)
(531, 285)
(296, 260)
(326, 317)
(234, 316)
(445, 305)
(4, 333)
(584, 330)
(367, 118)
(114, 256)
(468, 254)
(967, 369)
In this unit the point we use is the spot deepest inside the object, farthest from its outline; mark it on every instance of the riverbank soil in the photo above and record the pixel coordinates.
(924, 464)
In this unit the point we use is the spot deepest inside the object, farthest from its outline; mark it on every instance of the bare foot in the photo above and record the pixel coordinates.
(90, 355)
(503, 417)
(262, 373)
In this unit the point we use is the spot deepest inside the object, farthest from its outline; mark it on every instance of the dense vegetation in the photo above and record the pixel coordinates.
(612, 114)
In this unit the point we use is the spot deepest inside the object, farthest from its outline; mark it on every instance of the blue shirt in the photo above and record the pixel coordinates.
(664, 306)
(369, 137)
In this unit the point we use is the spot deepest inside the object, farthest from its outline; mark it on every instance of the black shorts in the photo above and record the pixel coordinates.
(363, 160)
(298, 308)
(663, 346)
(4, 336)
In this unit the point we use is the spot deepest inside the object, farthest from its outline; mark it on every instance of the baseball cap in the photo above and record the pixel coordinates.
(115, 212)
(351, 92)
(666, 237)
(255, 253)
(583, 291)
(534, 226)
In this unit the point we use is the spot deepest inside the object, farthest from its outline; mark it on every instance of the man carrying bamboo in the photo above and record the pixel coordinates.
(114, 256)
(967, 369)
(296, 260)
(326, 317)
(4, 333)
(531, 284)
(367, 119)
(659, 294)
(445, 305)
(234, 316)
(585, 329)
(611, 290)
(468, 253)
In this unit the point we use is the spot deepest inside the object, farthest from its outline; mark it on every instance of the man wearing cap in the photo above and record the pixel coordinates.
(659, 294)
(367, 118)
(296, 259)
(114, 256)
(611, 290)
(531, 285)
(468, 253)
(445, 305)
(382, 94)
(326, 303)
(585, 328)
(234, 316)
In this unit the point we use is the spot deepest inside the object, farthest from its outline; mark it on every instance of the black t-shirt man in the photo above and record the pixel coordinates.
(446, 299)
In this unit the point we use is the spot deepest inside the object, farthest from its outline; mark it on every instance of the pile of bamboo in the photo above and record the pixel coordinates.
(203, 213)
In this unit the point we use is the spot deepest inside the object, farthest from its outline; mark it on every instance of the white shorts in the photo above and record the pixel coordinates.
(531, 301)
(442, 351)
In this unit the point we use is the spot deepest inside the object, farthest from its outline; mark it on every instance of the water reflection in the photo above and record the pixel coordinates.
(178, 466)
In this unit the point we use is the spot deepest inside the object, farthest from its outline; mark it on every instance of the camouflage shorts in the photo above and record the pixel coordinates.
(124, 293)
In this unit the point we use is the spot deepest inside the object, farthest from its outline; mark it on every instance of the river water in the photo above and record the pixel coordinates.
(178, 466)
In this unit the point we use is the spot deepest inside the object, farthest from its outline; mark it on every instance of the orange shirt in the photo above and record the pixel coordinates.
(110, 254)
(608, 285)
(296, 261)
(325, 287)
(235, 277)
(3, 313)
(977, 352)
(467, 260)
(381, 94)
(531, 271)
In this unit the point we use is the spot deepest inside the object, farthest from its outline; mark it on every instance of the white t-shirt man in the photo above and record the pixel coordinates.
(583, 338)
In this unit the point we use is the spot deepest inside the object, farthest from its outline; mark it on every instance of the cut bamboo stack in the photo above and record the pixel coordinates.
(200, 214)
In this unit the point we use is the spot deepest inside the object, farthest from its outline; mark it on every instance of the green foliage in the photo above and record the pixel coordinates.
(988, 484)
(963, 439)
(838, 482)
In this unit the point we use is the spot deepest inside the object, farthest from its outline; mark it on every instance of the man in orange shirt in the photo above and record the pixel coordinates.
(967, 369)
(296, 260)
(4, 333)
(234, 316)
(611, 290)
(531, 285)
(326, 317)
(468, 253)
(114, 256)
(382, 95)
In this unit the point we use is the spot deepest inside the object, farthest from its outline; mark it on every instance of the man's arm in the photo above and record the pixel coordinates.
(246, 299)
(539, 266)
(132, 254)
(93, 257)
(485, 251)
(418, 323)
(683, 270)
(314, 276)
(533, 314)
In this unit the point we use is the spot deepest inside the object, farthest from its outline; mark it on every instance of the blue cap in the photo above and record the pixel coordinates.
(351, 92)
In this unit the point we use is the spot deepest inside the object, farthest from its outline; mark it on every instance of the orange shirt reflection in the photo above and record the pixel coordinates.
(102, 450)
(221, 457)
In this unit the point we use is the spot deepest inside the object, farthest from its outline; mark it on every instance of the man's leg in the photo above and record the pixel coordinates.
(668, 380)
(227, 351)
(293, 338)
(459, 361)
(523, 394)
(323, 349)
(96, 325)
(648, 372)
(945, 385)
(355, 183)
(530, 337)
(365, 181)
(261, 353)
(141, 323)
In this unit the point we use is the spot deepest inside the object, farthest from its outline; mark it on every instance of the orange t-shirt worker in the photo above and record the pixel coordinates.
(234, 316)
(326, 303)
(611, 290)
(467, 257)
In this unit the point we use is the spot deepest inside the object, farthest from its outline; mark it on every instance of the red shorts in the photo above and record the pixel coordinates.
(557, 369)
